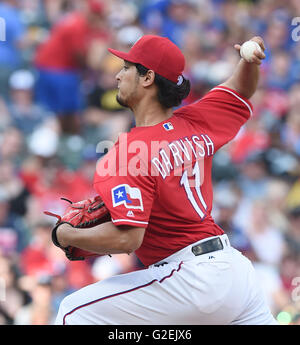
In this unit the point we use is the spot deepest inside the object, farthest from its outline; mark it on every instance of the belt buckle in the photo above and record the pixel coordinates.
(208, 246)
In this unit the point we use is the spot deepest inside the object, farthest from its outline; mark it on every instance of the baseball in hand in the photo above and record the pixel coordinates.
(247, 50)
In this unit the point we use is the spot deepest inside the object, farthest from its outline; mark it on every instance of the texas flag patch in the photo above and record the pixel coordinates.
(130, 197)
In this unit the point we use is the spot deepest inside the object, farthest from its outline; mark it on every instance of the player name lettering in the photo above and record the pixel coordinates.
(127, 335)
(165, 157)
(181, 153)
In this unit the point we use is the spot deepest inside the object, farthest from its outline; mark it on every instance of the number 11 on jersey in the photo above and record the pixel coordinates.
(186, 183)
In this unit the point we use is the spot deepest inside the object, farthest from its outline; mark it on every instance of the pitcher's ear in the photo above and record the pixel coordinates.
(148, 78)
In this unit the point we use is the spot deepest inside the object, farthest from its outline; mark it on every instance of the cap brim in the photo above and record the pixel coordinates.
(122, 55)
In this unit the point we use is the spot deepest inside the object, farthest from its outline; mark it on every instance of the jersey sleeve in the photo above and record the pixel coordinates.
(128, 198)
(220, 114)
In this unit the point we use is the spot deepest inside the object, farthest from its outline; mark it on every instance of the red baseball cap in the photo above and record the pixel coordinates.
(96, 6)
(156, 53)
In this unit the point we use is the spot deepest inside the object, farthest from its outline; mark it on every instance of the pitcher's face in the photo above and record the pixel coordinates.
(128, 83)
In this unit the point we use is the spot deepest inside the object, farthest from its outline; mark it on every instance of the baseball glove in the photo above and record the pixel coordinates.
(82, 214)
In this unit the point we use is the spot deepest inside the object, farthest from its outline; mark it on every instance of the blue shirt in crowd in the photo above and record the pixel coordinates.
(14, 30)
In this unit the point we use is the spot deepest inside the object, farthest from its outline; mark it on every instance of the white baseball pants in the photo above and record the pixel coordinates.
(218, 288)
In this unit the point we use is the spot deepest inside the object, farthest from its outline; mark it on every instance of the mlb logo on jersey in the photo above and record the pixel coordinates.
(130, 197)
(168, 126)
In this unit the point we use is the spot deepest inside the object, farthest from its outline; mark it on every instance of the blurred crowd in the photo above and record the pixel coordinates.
(57, 103)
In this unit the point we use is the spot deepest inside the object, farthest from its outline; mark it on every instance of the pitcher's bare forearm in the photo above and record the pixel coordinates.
(105, 238)
(245, 77)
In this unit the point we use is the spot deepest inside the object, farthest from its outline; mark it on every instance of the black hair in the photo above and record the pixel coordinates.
(169, 93)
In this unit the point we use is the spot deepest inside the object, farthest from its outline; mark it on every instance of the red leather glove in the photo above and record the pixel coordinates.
(83, 214)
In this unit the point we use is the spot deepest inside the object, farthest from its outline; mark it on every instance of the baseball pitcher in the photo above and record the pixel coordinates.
(155, 199)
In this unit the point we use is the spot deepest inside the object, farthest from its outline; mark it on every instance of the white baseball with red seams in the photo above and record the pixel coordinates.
(247, 50)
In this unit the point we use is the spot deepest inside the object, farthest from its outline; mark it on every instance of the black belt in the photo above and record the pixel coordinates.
(208, 246)
(203, 248)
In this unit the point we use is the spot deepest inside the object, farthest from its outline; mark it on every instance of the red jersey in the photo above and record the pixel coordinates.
(159, 177)
(68, 39)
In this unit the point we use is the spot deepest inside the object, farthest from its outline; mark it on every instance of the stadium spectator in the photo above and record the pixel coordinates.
(12, 37)
(59, 62)
(14, 296)
(39, 310)
(25, 114)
